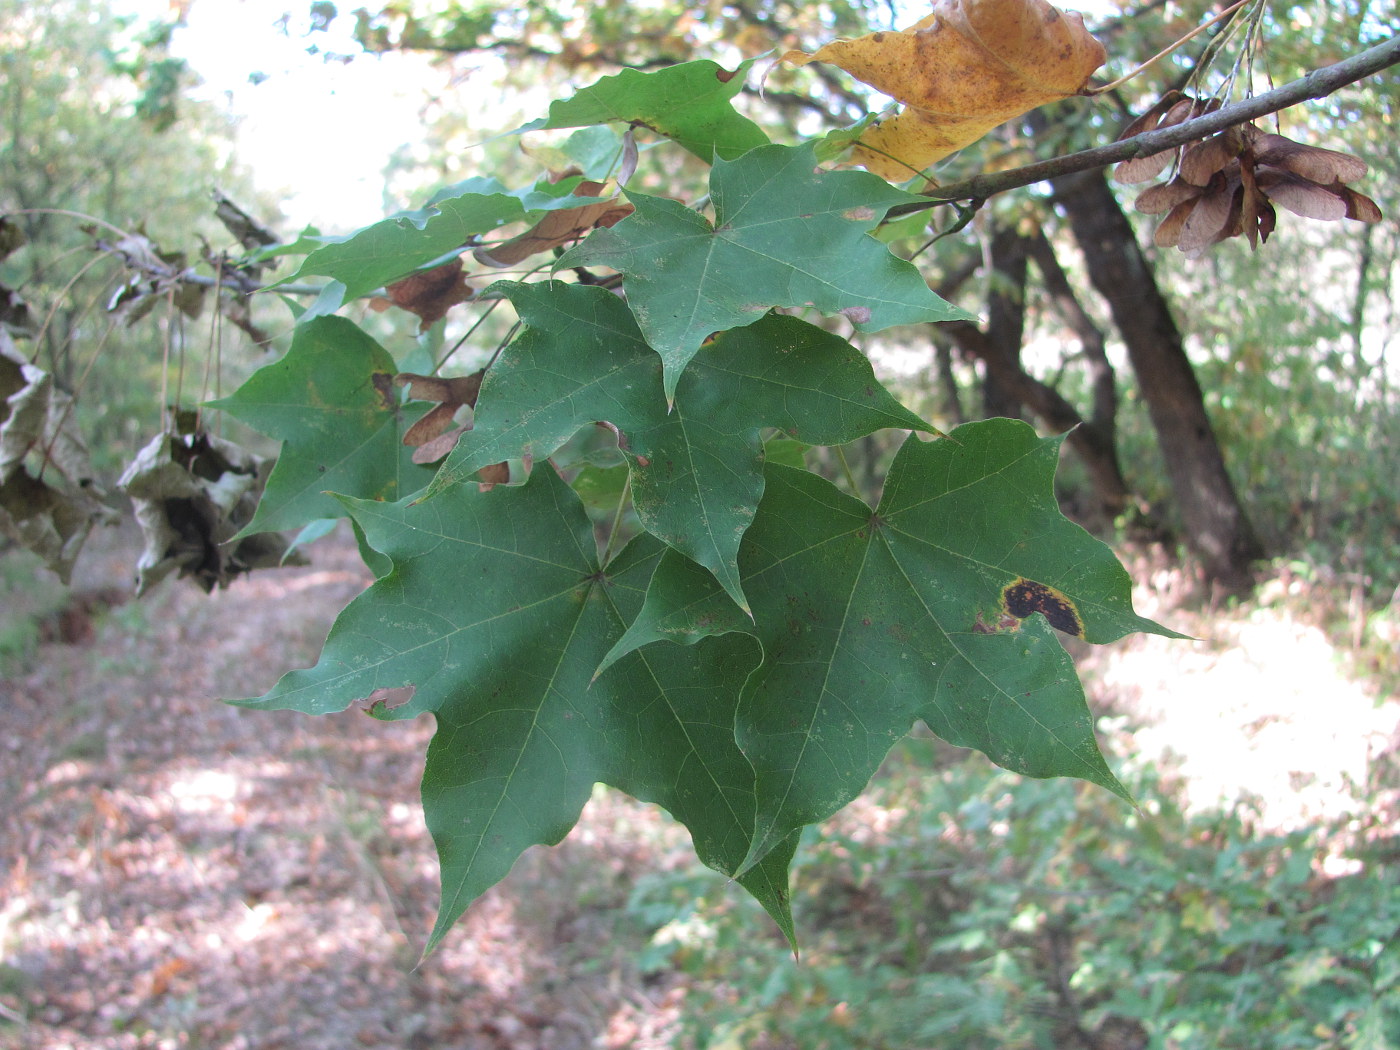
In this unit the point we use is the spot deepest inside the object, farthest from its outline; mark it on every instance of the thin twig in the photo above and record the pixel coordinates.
(1166, 51)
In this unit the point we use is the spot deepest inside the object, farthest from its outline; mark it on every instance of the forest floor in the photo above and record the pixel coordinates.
(177, 872)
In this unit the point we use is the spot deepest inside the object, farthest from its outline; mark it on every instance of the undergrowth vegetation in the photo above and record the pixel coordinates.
(984, 910)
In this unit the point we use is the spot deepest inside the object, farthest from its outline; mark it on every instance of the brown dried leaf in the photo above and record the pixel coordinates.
(454, 390)
(493, 475)
(452, 393)
(431, 293)
(433, 450)
(437, 420)
(963, 70)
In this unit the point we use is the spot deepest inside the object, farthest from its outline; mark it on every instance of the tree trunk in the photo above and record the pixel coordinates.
(1006, 324)
(1007, 386)
(1217, 529)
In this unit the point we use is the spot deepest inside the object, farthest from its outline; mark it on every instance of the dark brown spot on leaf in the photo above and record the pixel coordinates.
(1022, 597)
(384, 386)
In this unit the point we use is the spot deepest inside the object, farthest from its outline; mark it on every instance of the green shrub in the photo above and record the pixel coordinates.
(977, 909)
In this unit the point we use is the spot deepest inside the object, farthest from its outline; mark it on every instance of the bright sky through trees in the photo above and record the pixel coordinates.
(317, 129)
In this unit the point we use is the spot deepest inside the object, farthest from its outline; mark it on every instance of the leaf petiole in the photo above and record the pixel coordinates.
(622, 500)
(840, 451)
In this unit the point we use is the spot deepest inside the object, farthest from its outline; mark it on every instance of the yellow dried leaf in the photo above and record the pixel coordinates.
(963, 70)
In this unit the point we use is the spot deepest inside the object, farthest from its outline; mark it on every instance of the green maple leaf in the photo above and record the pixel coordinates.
(697, 471)
(785, 234)
(689, 103)
(497, 613)
(393, 248)
(682, 606)
(332, 403)
(929, 607)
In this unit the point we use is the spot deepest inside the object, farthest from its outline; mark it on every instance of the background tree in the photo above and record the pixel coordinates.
(90, 132)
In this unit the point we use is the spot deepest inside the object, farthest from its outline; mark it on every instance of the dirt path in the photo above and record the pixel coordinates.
(180, 872)
(176, 872)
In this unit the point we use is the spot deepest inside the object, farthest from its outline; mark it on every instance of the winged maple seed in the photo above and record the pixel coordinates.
(434, 436)
(1227, 185)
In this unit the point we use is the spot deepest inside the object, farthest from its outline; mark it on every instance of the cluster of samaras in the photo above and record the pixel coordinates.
(1229, 184)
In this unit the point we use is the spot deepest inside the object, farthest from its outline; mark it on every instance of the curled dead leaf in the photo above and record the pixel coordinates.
(192, 493)
(557, 228)
(434, 435)
(436, 447)
(49, 501)
(966, 68)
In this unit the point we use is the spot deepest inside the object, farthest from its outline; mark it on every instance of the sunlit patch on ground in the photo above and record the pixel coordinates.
(1260, 710)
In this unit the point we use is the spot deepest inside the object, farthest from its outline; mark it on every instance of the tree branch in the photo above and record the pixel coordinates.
(1318, 84)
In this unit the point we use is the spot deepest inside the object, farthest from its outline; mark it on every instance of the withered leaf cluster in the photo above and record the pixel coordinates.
(49, 501)
(437, 433)
(192, 493)
(1230, 184)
